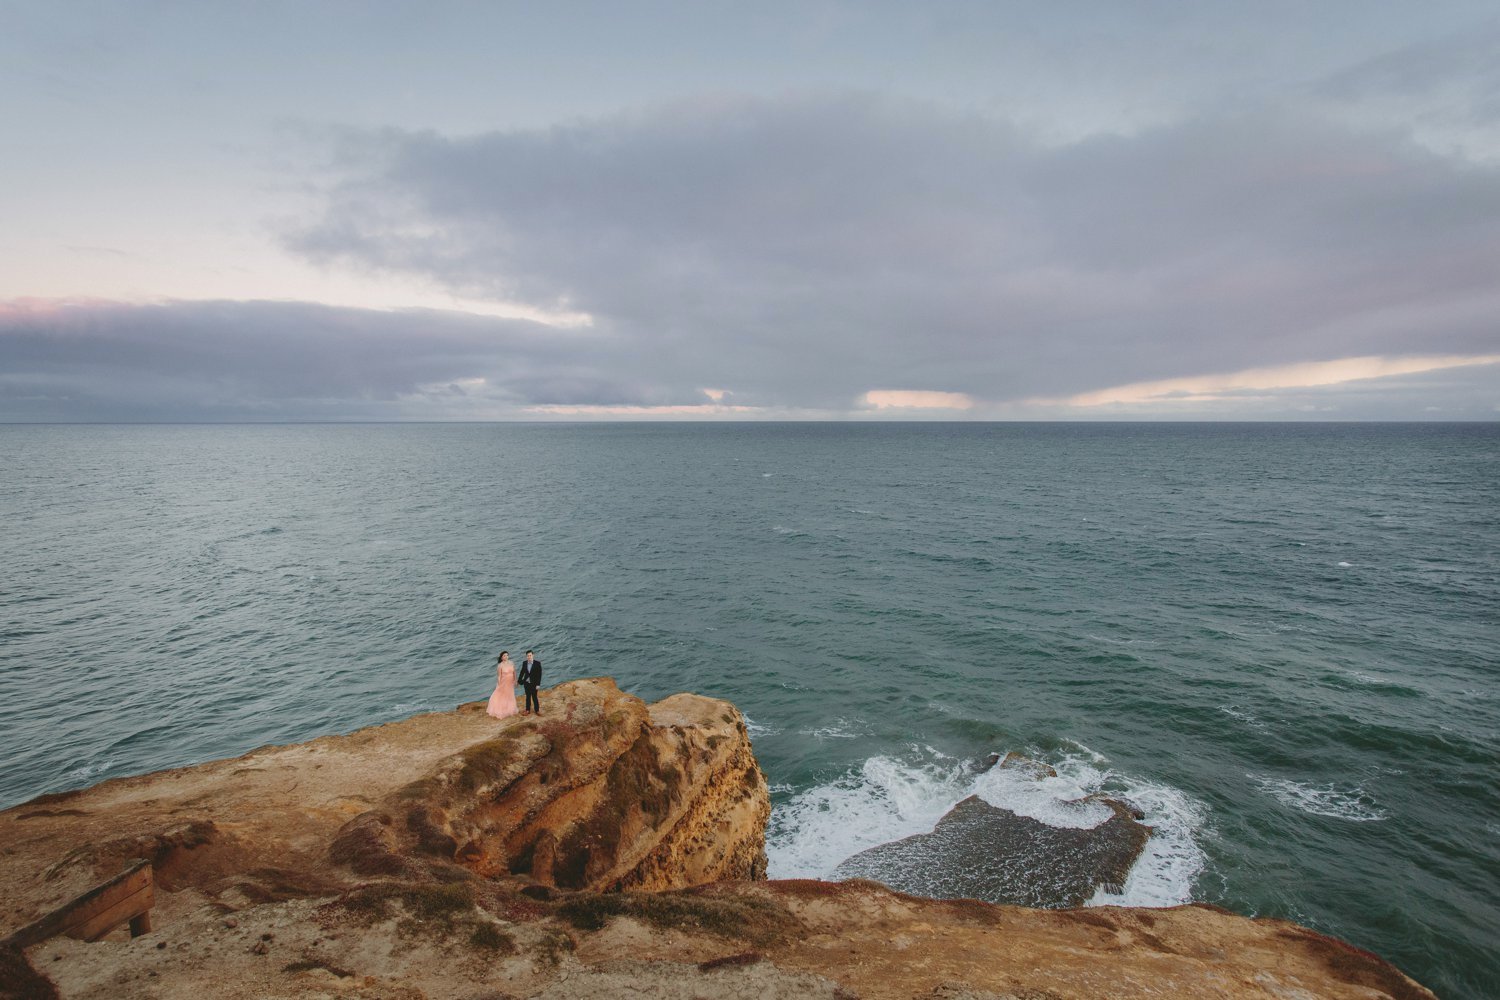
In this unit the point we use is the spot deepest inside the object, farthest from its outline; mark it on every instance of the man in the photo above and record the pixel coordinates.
(531, 679)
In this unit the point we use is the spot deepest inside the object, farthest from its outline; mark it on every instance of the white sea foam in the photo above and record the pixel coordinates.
(1169, 866)
(887, 798)
(90, 770)
(1057, 801)
(884, 799)
(1361, 677)
(755, 729)
(412, 707)
(1148, 643)
(1247, 717)
(1353, 804)
(841, 729)
(1093, 755)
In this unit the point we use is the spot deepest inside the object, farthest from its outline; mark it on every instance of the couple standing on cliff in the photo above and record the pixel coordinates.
(503, 702)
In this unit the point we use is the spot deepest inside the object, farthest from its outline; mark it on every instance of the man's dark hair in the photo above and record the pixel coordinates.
(529, 652)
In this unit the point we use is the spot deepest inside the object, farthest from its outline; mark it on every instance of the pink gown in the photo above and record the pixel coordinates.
(503, 702)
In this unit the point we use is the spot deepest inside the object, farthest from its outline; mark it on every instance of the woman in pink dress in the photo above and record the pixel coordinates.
(503, 702)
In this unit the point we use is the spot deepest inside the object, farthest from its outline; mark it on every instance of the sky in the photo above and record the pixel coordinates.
(1122, 209)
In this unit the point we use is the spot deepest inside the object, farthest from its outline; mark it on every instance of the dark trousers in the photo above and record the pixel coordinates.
(532, 704)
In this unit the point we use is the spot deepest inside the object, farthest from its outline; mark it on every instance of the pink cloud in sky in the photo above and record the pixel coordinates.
(1198, 388)
(917, 399)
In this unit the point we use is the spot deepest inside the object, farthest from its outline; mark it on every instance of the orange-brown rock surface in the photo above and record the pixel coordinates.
(609, 848)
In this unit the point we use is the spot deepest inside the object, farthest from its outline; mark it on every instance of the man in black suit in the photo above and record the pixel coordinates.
(531, 679)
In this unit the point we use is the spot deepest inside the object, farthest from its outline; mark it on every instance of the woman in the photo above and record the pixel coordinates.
(503, 702)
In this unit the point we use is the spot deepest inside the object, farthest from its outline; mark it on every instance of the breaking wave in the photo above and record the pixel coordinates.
(888, 798)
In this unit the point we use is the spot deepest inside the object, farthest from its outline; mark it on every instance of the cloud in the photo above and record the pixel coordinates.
(806, 253)
(698, 410)
(809, 249)
(917, 399)
(1199, 388)
(278, 360)
(1446, 89)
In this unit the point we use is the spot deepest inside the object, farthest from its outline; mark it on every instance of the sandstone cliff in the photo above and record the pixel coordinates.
(607, 849)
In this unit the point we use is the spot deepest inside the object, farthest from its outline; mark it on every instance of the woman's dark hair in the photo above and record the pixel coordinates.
(502, 655)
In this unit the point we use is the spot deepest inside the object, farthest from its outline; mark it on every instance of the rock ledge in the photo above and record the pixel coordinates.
(606, 849)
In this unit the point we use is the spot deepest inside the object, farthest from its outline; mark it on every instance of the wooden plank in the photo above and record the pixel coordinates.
(97, 900)
(101, 922)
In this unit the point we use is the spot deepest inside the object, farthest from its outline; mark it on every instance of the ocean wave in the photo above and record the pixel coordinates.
(1372, 680)
(882, 800)
(1093, 755)
(1353, 804)
(1150, 643)
(1356, 679)
(888, 798)
(756, 729)
(1168, 868)
(842, 729)
(1244, 715)
(88, 771)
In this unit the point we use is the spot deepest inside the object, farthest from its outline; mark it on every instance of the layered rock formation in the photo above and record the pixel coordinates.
(602, 792)
(451, 857)
(606, 794)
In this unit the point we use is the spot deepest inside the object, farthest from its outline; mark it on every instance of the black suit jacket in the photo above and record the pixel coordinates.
(531, 674)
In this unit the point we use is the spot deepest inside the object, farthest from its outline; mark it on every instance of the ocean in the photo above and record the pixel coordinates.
(1280, 641)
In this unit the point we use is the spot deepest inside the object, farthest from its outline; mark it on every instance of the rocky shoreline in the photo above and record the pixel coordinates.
(610, 846)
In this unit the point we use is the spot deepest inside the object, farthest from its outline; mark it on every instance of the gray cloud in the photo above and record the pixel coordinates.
(801, 251)
(1447, 90)
(806, 250)
(277, 360)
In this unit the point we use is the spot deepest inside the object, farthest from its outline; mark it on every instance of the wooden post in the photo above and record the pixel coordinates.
(128, 896)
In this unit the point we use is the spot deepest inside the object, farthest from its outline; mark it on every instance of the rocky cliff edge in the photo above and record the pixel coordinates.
(608, 848)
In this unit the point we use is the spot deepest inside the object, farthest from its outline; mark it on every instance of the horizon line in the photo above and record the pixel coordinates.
(675, 422)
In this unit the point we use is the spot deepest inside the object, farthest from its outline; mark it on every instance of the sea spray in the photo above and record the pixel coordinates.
(887, 798)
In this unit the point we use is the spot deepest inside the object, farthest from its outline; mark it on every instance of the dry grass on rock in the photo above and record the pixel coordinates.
(755, 918)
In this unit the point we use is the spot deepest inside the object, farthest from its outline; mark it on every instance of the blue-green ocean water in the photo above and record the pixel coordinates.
(1280, 640)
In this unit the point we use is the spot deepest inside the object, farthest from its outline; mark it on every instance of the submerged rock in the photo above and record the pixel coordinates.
(980, 851)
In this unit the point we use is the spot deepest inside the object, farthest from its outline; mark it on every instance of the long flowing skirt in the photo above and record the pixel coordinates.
(503, 702)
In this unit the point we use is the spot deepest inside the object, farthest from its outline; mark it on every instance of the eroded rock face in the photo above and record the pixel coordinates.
(603, 793)
(600, 792)
(979, 851)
